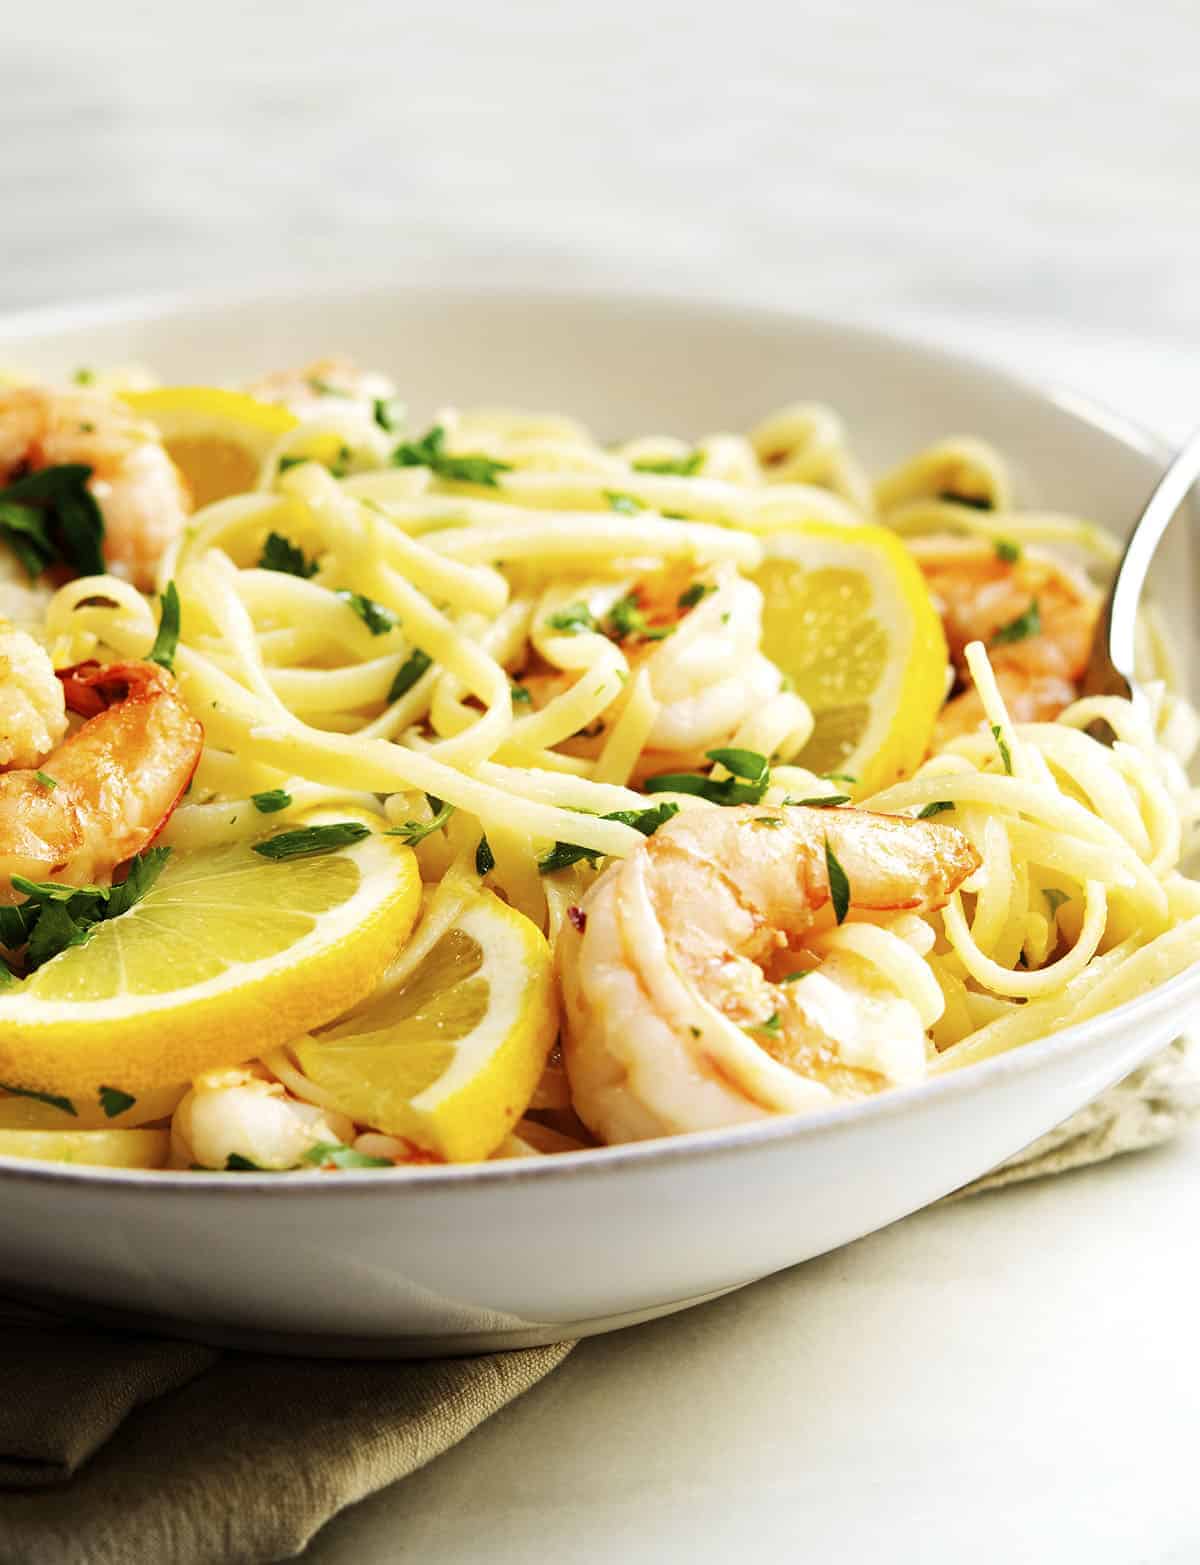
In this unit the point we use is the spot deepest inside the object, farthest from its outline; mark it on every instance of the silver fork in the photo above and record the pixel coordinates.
(1110, 669)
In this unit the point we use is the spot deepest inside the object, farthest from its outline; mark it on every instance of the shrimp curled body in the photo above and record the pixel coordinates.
(107, 790)
(142, 497)
(679, 971)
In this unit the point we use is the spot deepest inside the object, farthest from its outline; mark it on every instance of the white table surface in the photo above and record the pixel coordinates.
(1010, 1379)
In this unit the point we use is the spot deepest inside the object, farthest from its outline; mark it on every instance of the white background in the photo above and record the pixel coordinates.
(1012, 1379)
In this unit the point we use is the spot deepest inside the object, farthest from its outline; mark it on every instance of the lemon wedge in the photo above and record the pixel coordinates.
(217, 439)
(848, 618)
(229, 953)
(450, 1058)
(104, 1148)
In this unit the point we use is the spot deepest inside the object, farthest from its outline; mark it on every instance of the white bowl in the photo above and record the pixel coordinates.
(504, 1255)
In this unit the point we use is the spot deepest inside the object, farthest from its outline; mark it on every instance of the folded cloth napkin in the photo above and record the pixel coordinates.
(117, 1448)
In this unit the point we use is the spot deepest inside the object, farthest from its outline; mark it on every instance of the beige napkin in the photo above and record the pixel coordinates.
(117, 1449)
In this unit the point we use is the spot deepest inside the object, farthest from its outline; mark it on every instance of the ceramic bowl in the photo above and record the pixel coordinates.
(453, 1260)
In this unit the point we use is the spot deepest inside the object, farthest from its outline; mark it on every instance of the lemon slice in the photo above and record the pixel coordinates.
(449, 1060)
(106, 1148)
(217, 439)
(848, 618)
(229, 953)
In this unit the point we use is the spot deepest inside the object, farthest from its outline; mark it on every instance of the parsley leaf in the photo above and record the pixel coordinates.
(625, 618)
(839, 884)
(281, 554)
(307, 841)
(681, 466)
(849, 777)
(54, 917)
(413, 832)
(627, 504)
(1005, 752)
(52, 515)
(378, 619)
(144, 870)
(388, 413)
(1021, 628)
(113, 1101)
(333, 1154)
(772, 1025)
(64, 1104)
(235, 1163)
(822, 801)
(414, 666)
(485, 859)
(750, 780)
(46, 780)
(563, 854)
(698, 591)
(976, 502)
(576, 617)
(520, 696)
(429, 452)
(792, 978)
(935, 808)
(167, 640)
(1007, 550)
(272, 800)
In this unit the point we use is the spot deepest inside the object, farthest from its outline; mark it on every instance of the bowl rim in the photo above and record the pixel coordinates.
(1180, 991)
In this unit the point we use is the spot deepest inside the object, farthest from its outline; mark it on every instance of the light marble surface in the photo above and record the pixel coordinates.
(1013, 1379)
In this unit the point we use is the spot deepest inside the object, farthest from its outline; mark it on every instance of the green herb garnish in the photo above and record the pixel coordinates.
(520, 696)
(680, 467)
(272, 800)
(698, 591)
(46, 780)
(430, 452)
(825, 801)
(563, 854)
(378, 619)
(1001, 745)
(54, 917)
(307, 841)
(113, 1101)
(52, 516)
(1007, 550)
(167, 639)
(235, 1163)
(1021, 628)
(625, 618)
(281, 554)
(791, 978)
(626, 504)
(574, 619)
(839, 884)
(935, 808)
(414, 666)
(333, 1153)
(976, 502)
(64, 1104)
(388, 413)
(772, 1025)
(750, 780)
(413, 832)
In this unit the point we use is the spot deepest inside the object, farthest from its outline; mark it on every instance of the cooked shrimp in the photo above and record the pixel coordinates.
(1035, 614)
(104, 793)
(237, 1113)
(311, 387)
(142, 497)
(697, 636)
(33, 710)
(676, 969)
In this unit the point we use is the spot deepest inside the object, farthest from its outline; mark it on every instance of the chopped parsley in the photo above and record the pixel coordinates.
(485, 859)
(520, 696)
(1001, 745)
(46, 780)
(167, 640)
(84, 377)
(680, 466)
(751, 777)
(839, 777)
(413, 832)
(574, 619)
(286, 463)
(235, 1163)
(281, 554)
(54, 917)
(977, 502)
(307, 841)
(113, 1101)
(771, 822)
(378, 619)
(1007, 550)
(839, 884)
(271, 801)
(792, 978)
(430, 452)
(332, 1154)
(772, 1025)
(626, 619)
(1021, 628)
(698, 591)
(414, 666)
(825, 801)
(51, 516)
(563, 854)
(936, 808)
(627, 504)
(64, 1104)
(388, 413)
